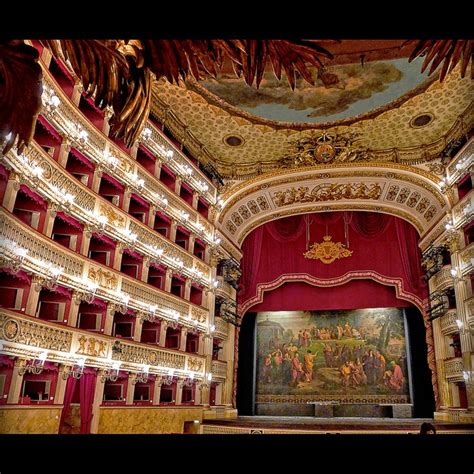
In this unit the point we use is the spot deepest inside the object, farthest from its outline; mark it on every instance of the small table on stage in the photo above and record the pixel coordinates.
(324, 409)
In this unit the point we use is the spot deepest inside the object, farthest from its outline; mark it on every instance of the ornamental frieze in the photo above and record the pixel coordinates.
(327, 192)
(194, 364)
(92, 346)
(198, 314)
(103, 278)
(34, 334)
(114, 218)
(342, 399)
(325, 148)
(143, 355)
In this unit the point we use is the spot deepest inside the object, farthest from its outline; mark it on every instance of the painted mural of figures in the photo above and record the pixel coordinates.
(394, 378)
(340, 331)
(277, 364)
(347, 330)
(369, 367)
(267, 369)
(328, 355)
(345, 371)
(287, 364)
(296, 370)
(380, 366)
(358, 375)
(308, 365)
(300, 338)
(306, 338)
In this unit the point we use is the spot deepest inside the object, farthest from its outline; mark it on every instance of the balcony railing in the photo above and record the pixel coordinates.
(448, 323)
(219, 369)
(23, 336)
(44, 253)
(454, 369)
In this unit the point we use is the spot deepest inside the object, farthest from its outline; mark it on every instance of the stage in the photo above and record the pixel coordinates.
(309, 425)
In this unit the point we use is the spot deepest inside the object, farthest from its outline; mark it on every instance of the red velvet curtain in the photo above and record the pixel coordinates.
(382, 245)
(68, 394)
(251, 266)
(86, 394)
(286, 230)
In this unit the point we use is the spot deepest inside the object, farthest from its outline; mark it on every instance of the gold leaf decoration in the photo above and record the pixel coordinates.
(327, 251)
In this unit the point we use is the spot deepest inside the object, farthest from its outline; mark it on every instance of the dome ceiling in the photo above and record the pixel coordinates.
(372, 100)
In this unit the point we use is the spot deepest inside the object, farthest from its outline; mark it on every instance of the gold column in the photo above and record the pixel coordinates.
(11, 191)
(64, 151)
(173, 227)
(49, 219)
(145, 268)
(182, 339)
(158, 168)
(96, 179)
(73, 315)
(86, 240)
(177, 185)
(17, 380)
(109, 319)
(168, 277)
(98, 396)
(163, 329)
(192, 240)
(179, 391)
(229, 358)
(137, 332)
(151, 217)
(61, 385)
(130, 389)
(33, 296)
(76, 93)
(187, 290)
(126, 199)
(157, 390)
(195, 199)
(118, 254)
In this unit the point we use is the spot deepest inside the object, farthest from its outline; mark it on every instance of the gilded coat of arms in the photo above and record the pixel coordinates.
(327, 251)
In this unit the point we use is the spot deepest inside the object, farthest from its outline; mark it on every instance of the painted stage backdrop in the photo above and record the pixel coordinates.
(355, 356)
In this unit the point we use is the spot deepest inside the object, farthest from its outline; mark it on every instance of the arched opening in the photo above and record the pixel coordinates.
(355, 324)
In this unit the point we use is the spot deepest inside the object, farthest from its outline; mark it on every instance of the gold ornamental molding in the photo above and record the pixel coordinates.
(430, 182)
(415, 197)
(327, 251)
(25, 336)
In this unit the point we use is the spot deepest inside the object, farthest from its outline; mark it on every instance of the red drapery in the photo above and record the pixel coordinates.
(70, 220)
(384, 249)
(68, 394)
(49, 128)
(86, 397)
(33, 196)
(80, 157)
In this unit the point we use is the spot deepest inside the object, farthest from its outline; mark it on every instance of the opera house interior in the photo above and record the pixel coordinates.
(236, 236)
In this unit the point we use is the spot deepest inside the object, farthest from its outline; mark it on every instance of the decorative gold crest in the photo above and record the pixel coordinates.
(10, 329)
(327, 251)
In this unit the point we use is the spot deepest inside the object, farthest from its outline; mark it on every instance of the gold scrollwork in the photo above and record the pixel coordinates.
(103, 278)
(327, 251)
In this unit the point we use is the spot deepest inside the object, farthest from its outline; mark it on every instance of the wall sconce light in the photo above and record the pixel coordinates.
(169, 379)
(35, 366)
(123, 305)
(53, 274)
(141, 377)
(76, 370)
(89, 295)
(111, 374)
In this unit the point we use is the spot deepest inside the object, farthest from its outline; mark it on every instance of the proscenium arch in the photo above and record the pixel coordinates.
(400, 190)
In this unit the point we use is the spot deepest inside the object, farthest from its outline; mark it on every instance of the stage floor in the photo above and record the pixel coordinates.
(309, 425)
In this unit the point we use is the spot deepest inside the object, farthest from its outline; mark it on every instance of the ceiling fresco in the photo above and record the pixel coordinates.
(340, 92)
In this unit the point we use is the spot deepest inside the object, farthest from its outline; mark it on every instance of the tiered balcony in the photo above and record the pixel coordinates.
(43, 254)
(441, 280)
(454, 369)
(219, 369)
(448, 323)
(467, 259)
